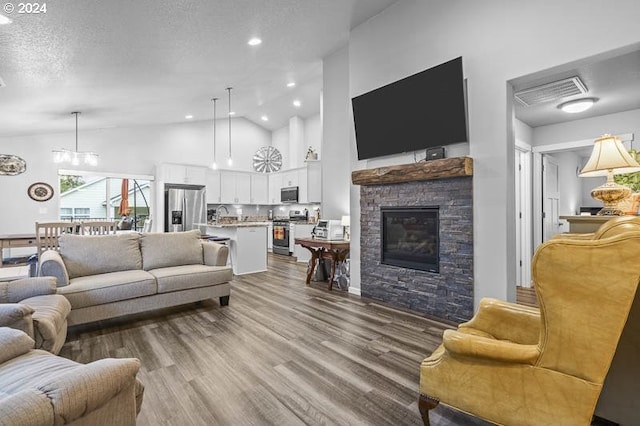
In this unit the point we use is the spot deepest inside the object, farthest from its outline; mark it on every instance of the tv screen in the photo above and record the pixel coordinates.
(424, 110)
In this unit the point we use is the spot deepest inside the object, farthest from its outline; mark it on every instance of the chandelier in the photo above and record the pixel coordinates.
(75, 157)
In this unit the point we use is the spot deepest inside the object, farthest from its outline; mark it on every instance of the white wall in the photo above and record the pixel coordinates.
(523, 132)
(280, 141)
(313, 135)
(499, 40)
(590, 128)
(134, 150)
(295, 138)
(336, 140)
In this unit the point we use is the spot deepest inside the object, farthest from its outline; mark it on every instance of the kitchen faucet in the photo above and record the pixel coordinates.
(218, 212)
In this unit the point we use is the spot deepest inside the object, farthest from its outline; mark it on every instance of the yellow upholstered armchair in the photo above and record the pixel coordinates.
(516, 365)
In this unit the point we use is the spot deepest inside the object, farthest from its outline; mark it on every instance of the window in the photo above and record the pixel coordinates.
(90, 195)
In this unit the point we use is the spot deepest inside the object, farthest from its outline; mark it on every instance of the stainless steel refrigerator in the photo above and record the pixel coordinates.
(184, 206)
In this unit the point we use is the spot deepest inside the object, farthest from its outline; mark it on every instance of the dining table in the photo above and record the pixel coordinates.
(334, 250)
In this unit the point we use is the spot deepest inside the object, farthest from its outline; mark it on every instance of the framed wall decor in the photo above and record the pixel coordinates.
(11, 165)
(40, 191)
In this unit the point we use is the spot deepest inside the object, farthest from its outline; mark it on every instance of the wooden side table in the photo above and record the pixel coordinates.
(334, 250)
(15, 241)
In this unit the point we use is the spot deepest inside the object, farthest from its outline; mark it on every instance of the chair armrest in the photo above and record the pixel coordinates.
(14, 343)
(89, 387)
(51, 265)
(17, 316)
(29, 407)
(215, 254)
(462, 344)
(507, 321)
(19, 290)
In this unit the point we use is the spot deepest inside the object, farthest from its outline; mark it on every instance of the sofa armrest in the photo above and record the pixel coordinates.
(215, 254)
(13, 343)
(51, 265)
(17, 316)
(19, 290)
(468, 345)
(574, 236)
(28, 407)
(89, 387)
(506, 321)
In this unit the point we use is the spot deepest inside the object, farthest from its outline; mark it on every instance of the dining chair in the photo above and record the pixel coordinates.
(98, 227)
(47, 234)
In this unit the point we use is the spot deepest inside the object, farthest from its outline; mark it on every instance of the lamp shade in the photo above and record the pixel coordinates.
(346, 221)
(609, 155)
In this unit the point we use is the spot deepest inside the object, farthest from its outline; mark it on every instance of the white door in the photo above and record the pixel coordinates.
(550, 198)
(523, 216)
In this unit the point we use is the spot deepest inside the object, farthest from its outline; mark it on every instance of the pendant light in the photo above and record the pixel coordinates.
(74, 157)
(229, 161)
(214, 165)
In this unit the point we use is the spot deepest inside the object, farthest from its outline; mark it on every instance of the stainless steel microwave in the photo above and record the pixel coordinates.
(289, 195)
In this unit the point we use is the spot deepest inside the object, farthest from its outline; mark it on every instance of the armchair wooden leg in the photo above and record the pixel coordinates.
(426, 403)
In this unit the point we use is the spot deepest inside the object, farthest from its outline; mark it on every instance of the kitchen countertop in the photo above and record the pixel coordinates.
(234, 225)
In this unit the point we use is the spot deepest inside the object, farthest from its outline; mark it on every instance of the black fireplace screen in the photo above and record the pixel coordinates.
(410, 237)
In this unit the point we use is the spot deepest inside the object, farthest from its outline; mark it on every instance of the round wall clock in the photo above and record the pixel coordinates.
(40, 191)
(267, 159)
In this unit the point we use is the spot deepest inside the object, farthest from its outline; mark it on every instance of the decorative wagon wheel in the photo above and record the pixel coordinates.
(267, 159)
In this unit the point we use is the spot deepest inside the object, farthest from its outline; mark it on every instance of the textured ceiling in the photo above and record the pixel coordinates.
(613, 79)
(124, 62)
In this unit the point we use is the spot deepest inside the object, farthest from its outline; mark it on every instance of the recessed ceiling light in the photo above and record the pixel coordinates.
(297, 103)
(254, 41)
(232, 113)
(4, 20)
(264, 118)
(291, 84)
(188, 117)
(577, 105)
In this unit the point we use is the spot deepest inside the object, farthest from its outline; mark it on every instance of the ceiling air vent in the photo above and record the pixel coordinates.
(551, 91)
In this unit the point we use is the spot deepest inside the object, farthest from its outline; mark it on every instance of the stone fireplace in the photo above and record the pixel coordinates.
(445, 290)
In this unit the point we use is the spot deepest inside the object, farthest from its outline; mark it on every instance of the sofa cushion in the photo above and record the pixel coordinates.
(32, 369)
(160, 250)
(190, 276)
(50, 317)
(96, 254)
(106, 288)
(13, 343)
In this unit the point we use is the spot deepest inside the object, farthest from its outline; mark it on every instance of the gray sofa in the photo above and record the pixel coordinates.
(105, 276)
(38, 388)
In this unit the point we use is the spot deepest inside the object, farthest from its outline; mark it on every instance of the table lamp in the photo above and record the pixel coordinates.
(609, 157)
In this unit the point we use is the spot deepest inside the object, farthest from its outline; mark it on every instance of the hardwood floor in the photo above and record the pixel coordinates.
(281, 353)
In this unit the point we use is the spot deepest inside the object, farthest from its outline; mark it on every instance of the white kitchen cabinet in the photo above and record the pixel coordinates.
(314, 182)
(289, 178)
(270, 237)
(275, 183)
(235, 187)
(259, 188)
(183, 174)
(302, 186)
(213, 187)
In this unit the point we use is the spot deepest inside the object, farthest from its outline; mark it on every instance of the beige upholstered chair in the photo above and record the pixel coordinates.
(98, 227)
(516, 365)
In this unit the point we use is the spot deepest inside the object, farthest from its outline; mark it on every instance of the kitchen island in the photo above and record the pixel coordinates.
(247, 244)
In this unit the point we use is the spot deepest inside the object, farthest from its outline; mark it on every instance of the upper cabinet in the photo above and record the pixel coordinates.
(182, 174)
(308, 180)
(235, 187)
(259, 188)
(213, 187)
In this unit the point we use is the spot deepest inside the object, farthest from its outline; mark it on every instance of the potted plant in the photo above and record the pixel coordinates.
(311, 154)
(632, 180)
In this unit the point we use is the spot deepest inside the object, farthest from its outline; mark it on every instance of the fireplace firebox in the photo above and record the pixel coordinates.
(411, 237)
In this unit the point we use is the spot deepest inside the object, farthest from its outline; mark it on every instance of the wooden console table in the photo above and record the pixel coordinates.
(16, 240)
(585, 224)
(335, 250)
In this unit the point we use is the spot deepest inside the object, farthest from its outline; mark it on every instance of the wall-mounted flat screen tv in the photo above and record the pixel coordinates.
(423, 110)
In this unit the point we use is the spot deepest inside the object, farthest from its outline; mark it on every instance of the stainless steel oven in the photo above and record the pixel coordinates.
(281, 235)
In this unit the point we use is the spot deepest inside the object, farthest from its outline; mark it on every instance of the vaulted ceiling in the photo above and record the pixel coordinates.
(144, 62)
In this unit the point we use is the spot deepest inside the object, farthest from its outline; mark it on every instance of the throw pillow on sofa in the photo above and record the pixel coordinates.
(161, 250)
(98, 254)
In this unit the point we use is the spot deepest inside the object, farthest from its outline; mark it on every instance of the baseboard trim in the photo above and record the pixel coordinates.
(354, 290)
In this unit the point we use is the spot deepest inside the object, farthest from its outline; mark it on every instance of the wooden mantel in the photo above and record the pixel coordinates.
(426, 170)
